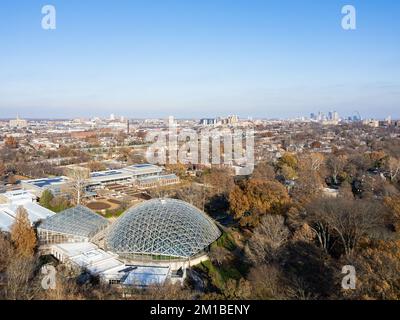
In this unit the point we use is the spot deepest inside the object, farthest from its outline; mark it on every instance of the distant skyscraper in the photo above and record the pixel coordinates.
(170, 121)
(112, 116)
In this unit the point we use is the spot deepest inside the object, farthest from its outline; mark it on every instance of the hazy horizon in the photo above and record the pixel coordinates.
(260, 59)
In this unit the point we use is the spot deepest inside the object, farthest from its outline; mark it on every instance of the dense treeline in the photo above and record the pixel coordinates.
(293, 236)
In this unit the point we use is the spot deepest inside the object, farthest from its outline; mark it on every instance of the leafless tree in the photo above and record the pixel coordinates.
(19, 279)
(194, 194)
(336, 165)
(268, 236)
(6, 251)
(393, 167)
(219, 255)
(78, 182)
(346, 219)
(266, 282)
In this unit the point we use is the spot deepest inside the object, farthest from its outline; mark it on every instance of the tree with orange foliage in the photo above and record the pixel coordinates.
(96, 166)
(11, 143)
(179, 169)
(264, 170)
(310, 180)
(22, 234)
(393, 204)
(377, 158)
(219, 180)
(316, 145)
(377, 270)
(255, 198)
(2, 169)
(288, 159)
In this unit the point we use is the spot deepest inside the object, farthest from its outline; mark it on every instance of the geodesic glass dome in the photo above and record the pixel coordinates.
(162, 229)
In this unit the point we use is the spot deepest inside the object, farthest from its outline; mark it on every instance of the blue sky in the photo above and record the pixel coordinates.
(152, 58)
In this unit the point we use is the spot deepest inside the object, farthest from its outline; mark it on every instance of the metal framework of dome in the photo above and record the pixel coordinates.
(160, 229)
(79, 221)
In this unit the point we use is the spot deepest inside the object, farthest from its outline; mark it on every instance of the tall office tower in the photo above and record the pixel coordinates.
(112, 116)
(170, 121)
(335, 116)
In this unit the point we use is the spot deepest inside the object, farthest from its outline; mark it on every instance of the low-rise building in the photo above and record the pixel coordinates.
(18, 123)
(38, 186)
(140, 174)
(11, 201)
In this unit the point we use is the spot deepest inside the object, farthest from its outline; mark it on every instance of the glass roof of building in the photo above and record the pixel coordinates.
(162, 227)
(78, 221)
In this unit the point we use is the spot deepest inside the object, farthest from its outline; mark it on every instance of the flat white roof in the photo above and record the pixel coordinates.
(139, 169)
(46, 182)
(98, 177)
(8, 213)
(73, 249)
(110, 175)
(18, 196)
(35, 211)
(107, 265)
(6, 220)
(87, 255)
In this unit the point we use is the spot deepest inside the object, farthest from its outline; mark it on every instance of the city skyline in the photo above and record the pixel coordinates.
(122, 117)
(265, 60)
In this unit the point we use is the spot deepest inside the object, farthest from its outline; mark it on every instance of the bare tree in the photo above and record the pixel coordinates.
(219, 255)
(79, 177)
(19, 279)
(266, 282)
(6, 251)
(195, 194)
(393, 168)
(237, 289)
(336, 166)
(346, 219)
(268, 236)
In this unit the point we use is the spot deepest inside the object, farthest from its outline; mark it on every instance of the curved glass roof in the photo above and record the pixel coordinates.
(162, 227)
(78, 221)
